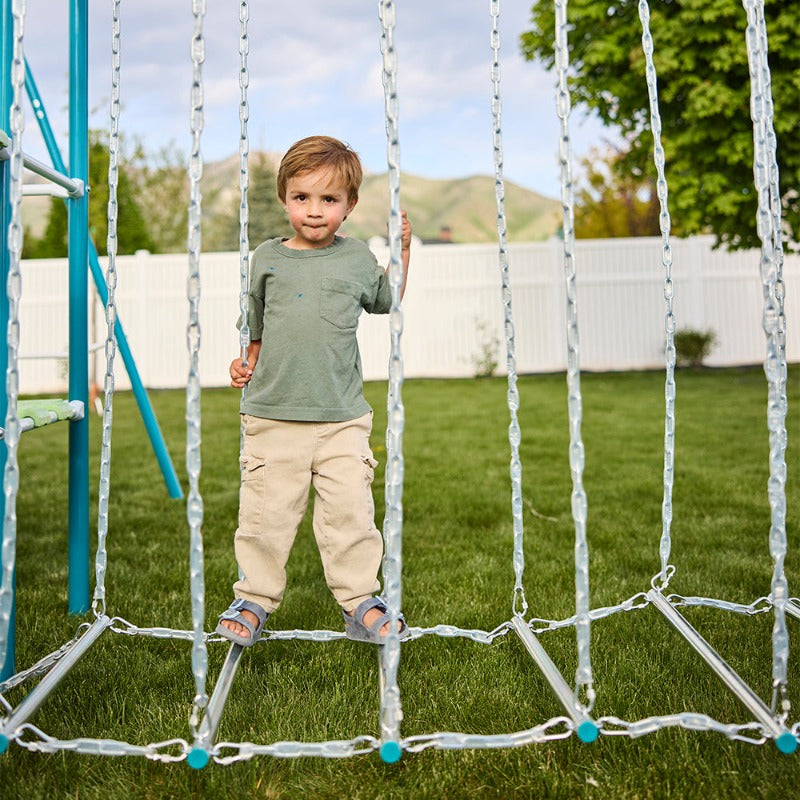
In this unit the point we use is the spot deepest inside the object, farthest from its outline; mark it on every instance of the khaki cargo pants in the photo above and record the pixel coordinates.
(280, 462)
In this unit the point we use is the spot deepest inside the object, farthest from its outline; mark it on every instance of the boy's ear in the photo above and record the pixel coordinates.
(351, 206)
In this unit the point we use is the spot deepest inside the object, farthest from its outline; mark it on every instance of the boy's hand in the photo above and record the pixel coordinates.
(240, 374)
(405, 234)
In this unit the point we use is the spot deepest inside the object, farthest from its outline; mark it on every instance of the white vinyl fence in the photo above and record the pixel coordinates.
(453, 314)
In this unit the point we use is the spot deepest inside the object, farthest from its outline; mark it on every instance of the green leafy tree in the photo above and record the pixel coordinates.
(132, 231)
(609, 204)
(162, 192)
(267, 217)
(704, 98)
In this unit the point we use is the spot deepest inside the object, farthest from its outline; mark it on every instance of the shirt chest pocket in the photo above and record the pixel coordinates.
(340, 303)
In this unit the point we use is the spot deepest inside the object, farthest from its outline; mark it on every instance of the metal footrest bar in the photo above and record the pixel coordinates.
(50, 681)
(784, 740)
(199, 756)
(585, 727)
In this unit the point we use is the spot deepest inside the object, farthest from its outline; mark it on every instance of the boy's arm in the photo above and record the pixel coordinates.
(241, 374)
(405, 252)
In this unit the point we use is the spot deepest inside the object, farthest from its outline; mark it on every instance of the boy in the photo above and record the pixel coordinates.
(305, 418)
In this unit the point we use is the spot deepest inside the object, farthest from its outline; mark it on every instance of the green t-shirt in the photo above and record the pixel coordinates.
(304, 305)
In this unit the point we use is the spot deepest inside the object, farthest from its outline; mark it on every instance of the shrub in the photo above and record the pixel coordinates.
(693, 346)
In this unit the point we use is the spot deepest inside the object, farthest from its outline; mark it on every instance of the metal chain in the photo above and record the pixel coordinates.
(194, 503)
(665, 543)
(519, 605)
(244, 178)
(576, 450)
(765, 174)
(101, 558)
(14, 292)
(391, 712)
(688, 721)
(244, 751)
(550, 731)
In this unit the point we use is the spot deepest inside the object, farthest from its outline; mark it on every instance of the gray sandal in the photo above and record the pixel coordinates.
(234, 614)
(355, 629)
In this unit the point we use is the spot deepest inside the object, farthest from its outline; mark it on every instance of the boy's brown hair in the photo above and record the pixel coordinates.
(321, 152)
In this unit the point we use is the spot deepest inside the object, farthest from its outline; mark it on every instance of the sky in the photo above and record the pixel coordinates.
(315, 67)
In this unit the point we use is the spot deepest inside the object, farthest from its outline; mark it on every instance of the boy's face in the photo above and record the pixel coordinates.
(317, 204)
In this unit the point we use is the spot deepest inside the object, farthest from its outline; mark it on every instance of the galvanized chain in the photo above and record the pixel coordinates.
(169, 751)
(576, 451)
(244, 751)
(14, 292)
(637, 601)
(751, 732)
(244, 178)
(665, 544)
(760, 606)
(519, 605)
(550, 731)
(44, 663)
(101, 558)
(194, 503)
(765, 173)
(391, 712)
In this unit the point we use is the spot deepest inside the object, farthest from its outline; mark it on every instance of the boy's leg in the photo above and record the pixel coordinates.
(276, 477)
(350, 545)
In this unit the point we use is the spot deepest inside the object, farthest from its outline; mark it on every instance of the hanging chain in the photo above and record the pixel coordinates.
(665, 544)
(244, 179)
(101, 559)
(519, 604)
(194, 503)
(765, 173)
(391, 713)
(576, 451)
(14, 292)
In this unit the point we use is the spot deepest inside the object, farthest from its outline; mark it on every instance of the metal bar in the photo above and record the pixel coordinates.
(44, 190)
(74, 187)
(216, 705)
(78, 211)
(793, 609)
(723, 670)
(587, 729)
(49, 682)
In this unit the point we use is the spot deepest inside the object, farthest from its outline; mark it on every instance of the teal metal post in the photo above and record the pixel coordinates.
(78, 210)
(139, 392)
(6, 96)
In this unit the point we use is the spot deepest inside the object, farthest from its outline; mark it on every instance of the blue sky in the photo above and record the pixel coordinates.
(315, 68)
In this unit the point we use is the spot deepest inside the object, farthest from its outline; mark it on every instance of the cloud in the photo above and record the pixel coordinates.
(315, 67)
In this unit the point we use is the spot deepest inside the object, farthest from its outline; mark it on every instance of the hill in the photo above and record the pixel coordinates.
(464, 206)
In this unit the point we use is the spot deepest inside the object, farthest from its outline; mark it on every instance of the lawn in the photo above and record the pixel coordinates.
(457, 550)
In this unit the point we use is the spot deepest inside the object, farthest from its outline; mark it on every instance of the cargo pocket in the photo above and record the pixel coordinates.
(251, 493)
(340, 303)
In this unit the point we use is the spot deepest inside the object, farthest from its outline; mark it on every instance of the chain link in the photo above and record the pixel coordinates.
(244, 751)
(665, 543)
(244, 178)
(614, 726)
(13, 291)
(765, 173)
(391, 712)
(519, 605)
(552, 730)
(576, 450)
(194, 504)
(101, 558)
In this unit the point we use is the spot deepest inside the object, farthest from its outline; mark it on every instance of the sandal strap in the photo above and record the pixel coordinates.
(234, 613)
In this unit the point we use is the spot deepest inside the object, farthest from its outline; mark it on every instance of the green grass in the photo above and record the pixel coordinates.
(457, 570)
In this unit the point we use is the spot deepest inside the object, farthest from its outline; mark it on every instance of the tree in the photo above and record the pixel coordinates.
(610, 204)
(704, 98)
(267, 219)
(132, 232)
(162, 192)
